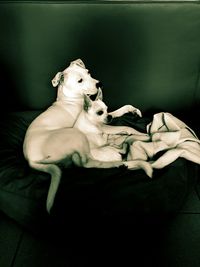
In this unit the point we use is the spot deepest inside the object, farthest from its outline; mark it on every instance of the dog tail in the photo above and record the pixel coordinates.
(55, 173)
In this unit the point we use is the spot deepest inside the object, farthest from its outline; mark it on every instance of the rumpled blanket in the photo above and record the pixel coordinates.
(169, 135)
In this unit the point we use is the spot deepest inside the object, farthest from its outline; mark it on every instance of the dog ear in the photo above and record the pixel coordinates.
(78, 62)
(57, 79)
(87, 103)
(99, 94)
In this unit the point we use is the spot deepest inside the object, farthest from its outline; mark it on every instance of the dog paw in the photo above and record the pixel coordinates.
(146, 166)
(140, 164)
(134, 110)
(138, 112)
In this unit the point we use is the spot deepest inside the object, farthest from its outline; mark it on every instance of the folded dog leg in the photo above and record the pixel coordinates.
(87, 161)
(93, 163)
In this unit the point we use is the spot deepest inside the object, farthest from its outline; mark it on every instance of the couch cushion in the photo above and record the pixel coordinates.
(22, 190)
(83, 192)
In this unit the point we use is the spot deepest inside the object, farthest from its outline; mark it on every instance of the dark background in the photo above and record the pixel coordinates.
(145, 56)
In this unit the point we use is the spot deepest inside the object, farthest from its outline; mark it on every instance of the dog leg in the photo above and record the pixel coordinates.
(82, 160)
(109, 129)
(92, 163)
(138, 137)
(140, 164)
(125, 109)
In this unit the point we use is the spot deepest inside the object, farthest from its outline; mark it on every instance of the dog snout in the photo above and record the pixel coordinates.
(109, 118)
(93, 97)
(99, 85)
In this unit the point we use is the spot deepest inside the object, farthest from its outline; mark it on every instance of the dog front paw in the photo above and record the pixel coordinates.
(133, 110)
(138, 112)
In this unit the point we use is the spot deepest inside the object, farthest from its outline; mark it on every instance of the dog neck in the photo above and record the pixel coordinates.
(68, 96)
(84, 124)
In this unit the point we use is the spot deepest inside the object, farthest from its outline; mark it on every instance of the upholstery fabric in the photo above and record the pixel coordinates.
(83, 192)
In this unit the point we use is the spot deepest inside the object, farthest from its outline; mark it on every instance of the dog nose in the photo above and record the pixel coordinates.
(109, 118)
(99, 85)
(93, 97)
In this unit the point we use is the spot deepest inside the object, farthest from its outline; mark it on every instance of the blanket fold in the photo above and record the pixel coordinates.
(170, 135)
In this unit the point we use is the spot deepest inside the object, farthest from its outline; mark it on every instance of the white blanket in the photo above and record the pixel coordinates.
(171, 135)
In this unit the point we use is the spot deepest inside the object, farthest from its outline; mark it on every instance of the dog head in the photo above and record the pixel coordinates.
(75, 81)
(97, 111)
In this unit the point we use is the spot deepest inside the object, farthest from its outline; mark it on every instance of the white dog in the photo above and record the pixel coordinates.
(93, 120)
(51, 138)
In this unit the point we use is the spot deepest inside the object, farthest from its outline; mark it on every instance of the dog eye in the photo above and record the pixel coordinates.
(100, 112)
(80, 81)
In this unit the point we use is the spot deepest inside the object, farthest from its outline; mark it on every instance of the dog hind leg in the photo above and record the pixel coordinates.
(93, 163)
(82, 160)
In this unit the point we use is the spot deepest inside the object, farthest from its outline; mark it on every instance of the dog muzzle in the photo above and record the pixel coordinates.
(93, 97)
(109, 118)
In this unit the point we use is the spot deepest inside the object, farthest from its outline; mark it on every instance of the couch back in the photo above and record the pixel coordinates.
(145, 53)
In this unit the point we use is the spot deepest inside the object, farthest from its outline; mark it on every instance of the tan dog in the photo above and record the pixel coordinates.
(51, 138)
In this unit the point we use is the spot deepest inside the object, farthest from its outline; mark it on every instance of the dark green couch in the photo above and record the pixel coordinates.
(146, 54)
